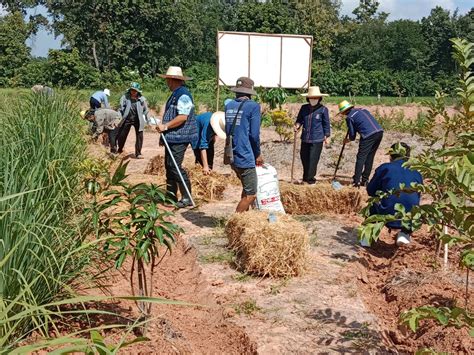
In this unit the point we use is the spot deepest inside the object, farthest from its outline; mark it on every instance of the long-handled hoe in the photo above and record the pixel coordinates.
(336, 185)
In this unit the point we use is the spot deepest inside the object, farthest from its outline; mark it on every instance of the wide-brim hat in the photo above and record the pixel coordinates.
(244, 85)
(344, 106)
(175, 73)
(218, 124)
(314, 92)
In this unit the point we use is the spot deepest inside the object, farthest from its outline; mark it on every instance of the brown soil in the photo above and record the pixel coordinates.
(394, 280)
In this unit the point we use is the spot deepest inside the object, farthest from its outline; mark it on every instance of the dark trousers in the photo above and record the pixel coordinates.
(173, 180)
(365, 157)
(123, 134)
(94, 104)
(310, 154)
(209, 153)
(112, 134)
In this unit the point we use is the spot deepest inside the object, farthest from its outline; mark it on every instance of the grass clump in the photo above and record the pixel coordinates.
(42, 246)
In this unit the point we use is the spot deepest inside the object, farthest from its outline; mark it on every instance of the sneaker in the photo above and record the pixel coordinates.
(184, 203)
(403, 239)
(138, 156)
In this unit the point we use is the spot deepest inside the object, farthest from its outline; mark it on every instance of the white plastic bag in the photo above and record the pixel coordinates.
(268, 191)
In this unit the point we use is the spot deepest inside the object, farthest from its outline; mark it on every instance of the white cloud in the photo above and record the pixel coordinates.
(408, 9)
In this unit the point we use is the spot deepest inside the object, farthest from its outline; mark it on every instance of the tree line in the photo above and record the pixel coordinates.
(110, 42)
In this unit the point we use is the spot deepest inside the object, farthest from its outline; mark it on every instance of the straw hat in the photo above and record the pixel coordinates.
(314, 91)
(244, 85)
(175, 73)
(344, 106)
(218, 124)
(107, 92)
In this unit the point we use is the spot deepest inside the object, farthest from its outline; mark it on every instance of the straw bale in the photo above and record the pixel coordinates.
(319, 198)
(278, 249)
(156, 166)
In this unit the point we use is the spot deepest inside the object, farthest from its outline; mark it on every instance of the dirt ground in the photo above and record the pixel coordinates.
(347, 302)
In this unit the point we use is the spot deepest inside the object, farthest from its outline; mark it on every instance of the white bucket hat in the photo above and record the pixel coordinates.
(174, 73)
(218, 124)
(314, 91)
(107, 92)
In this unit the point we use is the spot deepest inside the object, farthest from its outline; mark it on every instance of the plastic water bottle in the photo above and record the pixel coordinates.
(272, 218)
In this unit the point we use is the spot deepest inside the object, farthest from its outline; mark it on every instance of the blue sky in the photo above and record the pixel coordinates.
(409, 9)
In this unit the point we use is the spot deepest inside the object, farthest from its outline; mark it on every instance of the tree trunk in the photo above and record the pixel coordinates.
(94, 54)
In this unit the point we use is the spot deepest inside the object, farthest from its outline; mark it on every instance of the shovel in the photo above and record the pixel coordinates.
(336, 185)
(294, 157)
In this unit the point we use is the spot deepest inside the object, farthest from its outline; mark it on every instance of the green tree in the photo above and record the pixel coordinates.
(366, 10)
(14, 32)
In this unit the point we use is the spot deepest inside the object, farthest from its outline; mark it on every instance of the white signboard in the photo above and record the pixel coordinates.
(270, 60)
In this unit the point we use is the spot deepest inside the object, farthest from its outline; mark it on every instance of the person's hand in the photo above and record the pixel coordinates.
(346, 140)
(327, 140)
(296, 127)
(206, 170)
(161, 128)
(259, 160)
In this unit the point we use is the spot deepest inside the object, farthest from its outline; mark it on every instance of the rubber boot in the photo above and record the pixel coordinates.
(185, 199)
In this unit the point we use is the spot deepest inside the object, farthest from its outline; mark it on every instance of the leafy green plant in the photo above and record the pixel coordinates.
(274, 97)
(283, 124)
(136, 227)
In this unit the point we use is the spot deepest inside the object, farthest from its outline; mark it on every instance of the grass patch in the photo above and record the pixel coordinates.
(242, 277)
(248, 307)
(218, 257)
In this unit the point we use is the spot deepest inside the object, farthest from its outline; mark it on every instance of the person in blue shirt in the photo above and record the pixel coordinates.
(180, 129)
(388, 177)
(204, 152)
(371, 133)
(314, 118)
(98, 98)
(246, 139)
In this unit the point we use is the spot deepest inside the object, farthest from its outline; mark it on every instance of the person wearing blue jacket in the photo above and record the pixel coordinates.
(314, 118)
(361, 121)
(204, 152)
(98, 98)
(180, 130)
(246, 139)
(388, 177)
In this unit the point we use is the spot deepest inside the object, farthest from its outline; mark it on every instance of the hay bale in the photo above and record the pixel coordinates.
(156, 166)
(319, 198)
(278, 249)
(206, 187)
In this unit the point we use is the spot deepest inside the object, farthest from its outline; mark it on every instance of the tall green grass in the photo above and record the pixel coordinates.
(41, 232)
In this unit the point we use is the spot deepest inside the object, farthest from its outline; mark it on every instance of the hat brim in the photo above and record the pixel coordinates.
(347, 108)
(139, 91)
(216, 118)
(179, 77)
(314, 96)
(241, 90)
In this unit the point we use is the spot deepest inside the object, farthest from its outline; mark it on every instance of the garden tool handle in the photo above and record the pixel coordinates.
(340, 156)
(294, 156)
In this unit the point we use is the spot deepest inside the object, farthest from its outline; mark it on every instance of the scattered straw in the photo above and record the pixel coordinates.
(319, 198)
(278, 249)
(206, 187)
(156, 166)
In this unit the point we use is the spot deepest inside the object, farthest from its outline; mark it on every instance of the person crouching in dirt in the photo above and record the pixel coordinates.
(105, 120)
(98, 98)
(314, 118)
(360, 121)
(388, 177)
(204, 152)
(179, 129)
(242, 122)
(134, 111)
